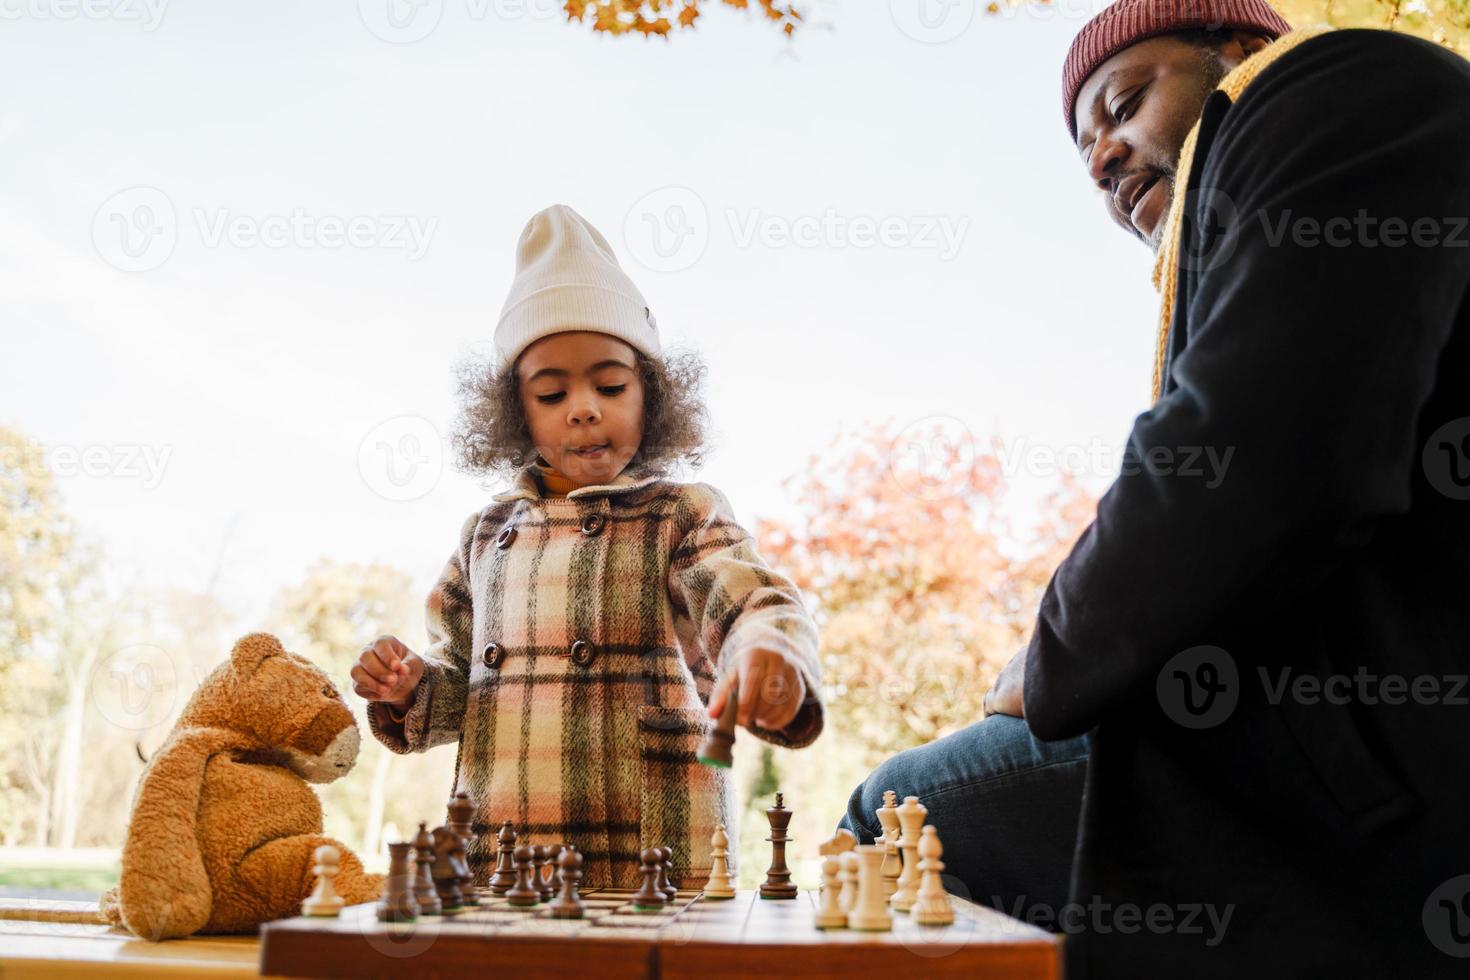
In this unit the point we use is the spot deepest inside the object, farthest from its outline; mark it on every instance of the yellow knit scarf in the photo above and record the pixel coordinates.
(1166, 263)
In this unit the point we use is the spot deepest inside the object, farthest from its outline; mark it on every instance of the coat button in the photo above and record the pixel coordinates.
(504, 539)
(583, 653)
(493, 655)
(593, 524)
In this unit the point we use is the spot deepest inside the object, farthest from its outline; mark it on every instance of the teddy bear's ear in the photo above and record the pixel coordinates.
(250, 650)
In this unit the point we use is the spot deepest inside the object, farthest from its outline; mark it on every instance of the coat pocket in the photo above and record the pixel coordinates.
(682, 799)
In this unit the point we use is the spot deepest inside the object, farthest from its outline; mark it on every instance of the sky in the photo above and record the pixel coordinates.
(244, 246)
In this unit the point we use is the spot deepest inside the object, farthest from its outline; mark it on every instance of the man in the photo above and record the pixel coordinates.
(1265, 673)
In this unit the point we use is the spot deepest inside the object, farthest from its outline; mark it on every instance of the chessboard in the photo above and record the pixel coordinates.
(693, 937)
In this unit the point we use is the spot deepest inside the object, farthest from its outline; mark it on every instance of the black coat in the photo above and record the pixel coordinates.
(1337, 542)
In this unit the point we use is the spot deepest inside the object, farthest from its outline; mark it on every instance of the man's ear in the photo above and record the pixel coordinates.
(251, 650)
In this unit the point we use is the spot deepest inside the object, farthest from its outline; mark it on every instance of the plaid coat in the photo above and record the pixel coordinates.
(575, 642)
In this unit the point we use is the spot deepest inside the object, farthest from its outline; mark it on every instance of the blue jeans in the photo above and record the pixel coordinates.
(1005, 806)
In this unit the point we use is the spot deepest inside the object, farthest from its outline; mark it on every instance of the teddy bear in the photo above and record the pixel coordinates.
(224, 825)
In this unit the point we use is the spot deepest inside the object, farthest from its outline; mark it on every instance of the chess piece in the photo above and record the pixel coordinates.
(848, 873)
(720, 885)
(650, 897)
(448, 870)
(397, 903)
(524, 893)
(869, 912)
(666, 875)
(549, 880)
(538, 868)
(568, 905)
(911, 821)
(829, 910)
(719, 744)
(892, 863)
(461, 817)
(778, 877)
(423, 882)
(505, 870)
(324, 900)
(932, 907)
(836, 846)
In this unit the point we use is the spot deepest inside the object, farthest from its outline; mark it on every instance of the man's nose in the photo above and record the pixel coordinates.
(1109, 155)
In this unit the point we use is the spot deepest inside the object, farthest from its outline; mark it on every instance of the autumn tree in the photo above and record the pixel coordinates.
(921, 586)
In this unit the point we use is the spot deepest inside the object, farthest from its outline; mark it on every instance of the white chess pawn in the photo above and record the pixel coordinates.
(870, 913)
(829, 913)
(910, 821)
(720, 885)
(324, 900)
(847, 897)
(932, 908)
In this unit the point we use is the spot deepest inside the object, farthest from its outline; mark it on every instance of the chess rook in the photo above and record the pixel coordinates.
(869, 912)
(397, 903)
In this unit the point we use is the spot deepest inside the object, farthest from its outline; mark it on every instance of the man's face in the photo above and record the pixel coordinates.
(1132, 115)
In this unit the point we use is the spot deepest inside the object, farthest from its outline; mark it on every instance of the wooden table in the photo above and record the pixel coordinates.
(696, 939)
(49, 940)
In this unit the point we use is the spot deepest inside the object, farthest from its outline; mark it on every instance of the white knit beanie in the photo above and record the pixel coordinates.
(567, 278)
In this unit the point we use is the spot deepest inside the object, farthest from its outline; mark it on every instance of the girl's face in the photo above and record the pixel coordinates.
(583, 397)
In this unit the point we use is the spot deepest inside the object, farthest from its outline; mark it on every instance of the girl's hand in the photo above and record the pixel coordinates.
(386, 670)
(771, 689)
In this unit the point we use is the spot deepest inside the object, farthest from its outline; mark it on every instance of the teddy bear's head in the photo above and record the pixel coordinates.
(284, 703)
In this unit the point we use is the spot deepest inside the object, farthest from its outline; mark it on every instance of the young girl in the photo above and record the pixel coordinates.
(593, 619)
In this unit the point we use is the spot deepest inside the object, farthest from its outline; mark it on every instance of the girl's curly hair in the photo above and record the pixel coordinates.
(491, 435)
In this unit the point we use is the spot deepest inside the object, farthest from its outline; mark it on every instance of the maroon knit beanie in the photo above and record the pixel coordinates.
(1127, 22)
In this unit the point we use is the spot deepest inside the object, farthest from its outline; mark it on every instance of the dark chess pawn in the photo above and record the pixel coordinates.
(547, 878)
(423, 879)
(524, 893)
(447, 871)
(568, 905)
(666, 874)
(650, 896)
(396, 903)
(538, 869)
(461, 817)
(505, 870)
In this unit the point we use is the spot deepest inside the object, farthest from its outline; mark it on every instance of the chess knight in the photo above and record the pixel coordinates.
(224, 826)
